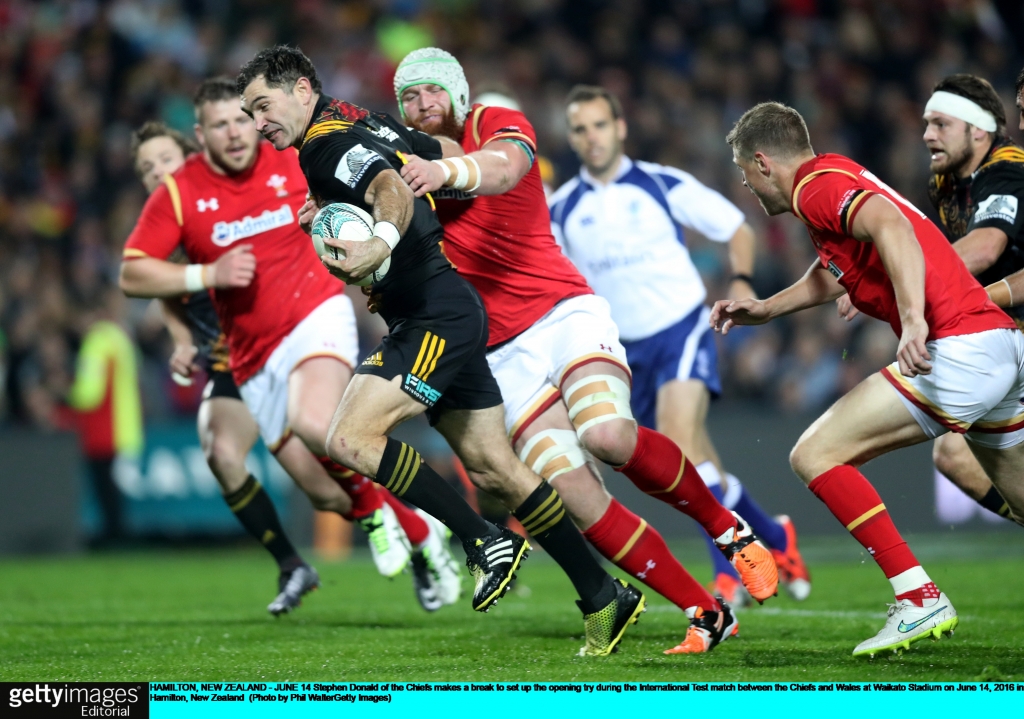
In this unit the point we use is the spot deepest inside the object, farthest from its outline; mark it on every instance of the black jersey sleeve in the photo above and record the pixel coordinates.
(423, 145)
(998, 197)
(339, 167)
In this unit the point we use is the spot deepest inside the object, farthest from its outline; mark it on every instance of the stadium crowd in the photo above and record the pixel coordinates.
(76, 76)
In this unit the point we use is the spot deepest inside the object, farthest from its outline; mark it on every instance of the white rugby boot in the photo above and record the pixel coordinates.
(443, 577)
(908, 623)
(388, 543)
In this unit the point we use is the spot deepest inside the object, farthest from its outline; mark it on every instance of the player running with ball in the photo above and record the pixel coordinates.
(433, 357)
(290, 330)
(553, 346)
(960, 361)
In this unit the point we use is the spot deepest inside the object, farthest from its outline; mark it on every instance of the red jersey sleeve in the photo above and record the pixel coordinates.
(158, 231)
(499, 123)
(829, 200)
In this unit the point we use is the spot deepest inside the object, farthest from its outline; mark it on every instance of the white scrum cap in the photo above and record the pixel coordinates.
(432, 65)
(960, 107)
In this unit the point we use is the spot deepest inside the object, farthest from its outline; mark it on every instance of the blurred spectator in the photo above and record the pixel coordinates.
(76, 76)
(105, 396)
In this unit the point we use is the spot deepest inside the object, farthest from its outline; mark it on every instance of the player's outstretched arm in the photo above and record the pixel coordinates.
(880, 222)
(741, 258)
(493, 170)
(393, 206)
(152, 277)
(816, 287)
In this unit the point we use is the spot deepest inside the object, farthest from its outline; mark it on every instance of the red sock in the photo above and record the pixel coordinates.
(922, 593)
(659, 469)
(414, 526)
(855, 503)
(365, 494)
(636, 547)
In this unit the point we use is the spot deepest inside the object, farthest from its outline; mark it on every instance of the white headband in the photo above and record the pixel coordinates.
(963, 109)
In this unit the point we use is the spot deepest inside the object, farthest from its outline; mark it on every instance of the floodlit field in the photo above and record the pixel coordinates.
(200, 616)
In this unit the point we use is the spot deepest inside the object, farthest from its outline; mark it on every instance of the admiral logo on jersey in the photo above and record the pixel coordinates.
(354, 164)
(227, 233)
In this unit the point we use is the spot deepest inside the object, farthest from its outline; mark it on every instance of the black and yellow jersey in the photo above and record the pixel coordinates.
(993, 196)
(345, 147)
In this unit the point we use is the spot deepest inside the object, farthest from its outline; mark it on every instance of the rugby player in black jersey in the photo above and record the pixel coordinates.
(227, 431)
(433, 357)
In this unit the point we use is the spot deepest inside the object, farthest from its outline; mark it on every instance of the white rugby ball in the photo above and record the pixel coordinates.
(342, 221)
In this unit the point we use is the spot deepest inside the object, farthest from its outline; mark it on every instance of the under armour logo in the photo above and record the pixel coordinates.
(643, 575)
(204, 205)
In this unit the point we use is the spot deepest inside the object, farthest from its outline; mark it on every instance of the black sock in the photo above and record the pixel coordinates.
(403, 471)
(994, 502)
(252, 505)
(544, 517)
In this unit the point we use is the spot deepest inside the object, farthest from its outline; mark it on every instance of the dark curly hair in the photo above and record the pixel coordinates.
(280, 66)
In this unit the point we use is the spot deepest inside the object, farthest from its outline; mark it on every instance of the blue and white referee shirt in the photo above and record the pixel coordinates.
(627, 239)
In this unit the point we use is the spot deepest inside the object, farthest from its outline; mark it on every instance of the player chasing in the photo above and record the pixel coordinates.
(433, 358)
(976, 188)
(291, 333)
(226, 428)
(553, 347)
(960, 360)
(620, 220)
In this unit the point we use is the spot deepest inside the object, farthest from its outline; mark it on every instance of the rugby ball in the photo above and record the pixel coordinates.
(342, 221)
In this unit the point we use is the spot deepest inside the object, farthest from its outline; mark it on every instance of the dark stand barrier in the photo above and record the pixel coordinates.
(39, 493)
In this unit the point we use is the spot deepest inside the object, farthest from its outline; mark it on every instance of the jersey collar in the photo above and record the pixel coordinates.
(625, 165)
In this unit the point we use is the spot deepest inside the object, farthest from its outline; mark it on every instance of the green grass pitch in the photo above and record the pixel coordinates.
(200, 616)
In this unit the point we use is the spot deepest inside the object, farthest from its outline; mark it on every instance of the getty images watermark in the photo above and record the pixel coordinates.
(76, 699)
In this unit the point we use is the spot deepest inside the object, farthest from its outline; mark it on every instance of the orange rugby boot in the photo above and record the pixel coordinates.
(707, 630)
(792, 571)
(751, 559)
(731, 590)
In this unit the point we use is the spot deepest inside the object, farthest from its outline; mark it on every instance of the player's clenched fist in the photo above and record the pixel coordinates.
(726, 313)
(235, 268)
(422, 176)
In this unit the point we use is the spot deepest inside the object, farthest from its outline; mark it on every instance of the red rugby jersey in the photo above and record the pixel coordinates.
(208, 213)
(503, 244)
(828, 192)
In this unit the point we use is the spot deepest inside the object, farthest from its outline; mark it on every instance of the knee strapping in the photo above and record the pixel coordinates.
(552, 452)
(596, 399)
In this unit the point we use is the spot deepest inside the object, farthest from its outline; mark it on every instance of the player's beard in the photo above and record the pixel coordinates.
(229, 166)
(448, 127)
(955, 160)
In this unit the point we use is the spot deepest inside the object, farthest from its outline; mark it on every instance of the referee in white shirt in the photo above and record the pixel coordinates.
(622, 223)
